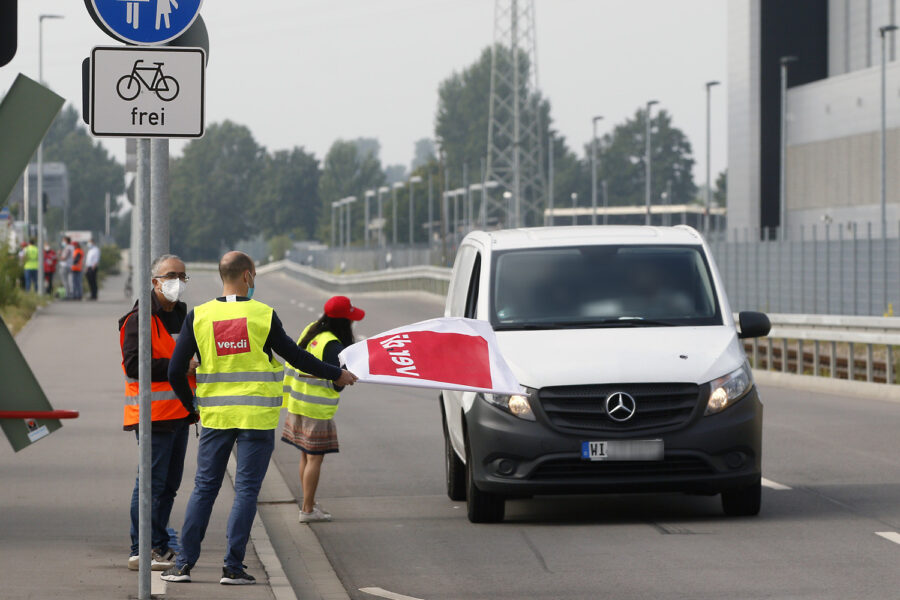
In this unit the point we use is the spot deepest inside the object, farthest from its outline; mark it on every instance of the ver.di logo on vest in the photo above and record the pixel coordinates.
(231, 336)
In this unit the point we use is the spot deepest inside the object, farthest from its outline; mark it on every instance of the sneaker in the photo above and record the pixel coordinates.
(181, 575)
(134, 562)
(160, 560)
(316, 515)
(236, 577)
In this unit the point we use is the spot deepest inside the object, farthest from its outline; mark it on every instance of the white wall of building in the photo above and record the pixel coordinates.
(743, 113)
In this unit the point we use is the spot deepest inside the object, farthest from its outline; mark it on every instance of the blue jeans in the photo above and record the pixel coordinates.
(167, 451)
(76, 285)
(31, 279)
(254, 449)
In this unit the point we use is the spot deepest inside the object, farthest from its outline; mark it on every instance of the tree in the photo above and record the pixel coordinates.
(423, 153)
(720, 193)
(91, 170)
(394, 173)
(461, 124)
(287, 199)
(621, 157)
(213, 186)
(346, 171)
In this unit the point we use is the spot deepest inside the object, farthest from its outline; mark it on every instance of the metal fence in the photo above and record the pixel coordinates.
(836, 270)
(833, 269)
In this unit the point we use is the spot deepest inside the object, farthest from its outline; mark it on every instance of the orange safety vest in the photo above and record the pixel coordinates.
(77, 260)
(164, 405)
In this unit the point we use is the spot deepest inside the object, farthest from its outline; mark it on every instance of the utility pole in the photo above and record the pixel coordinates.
(782, 179)
(709, 85)
(594, 170)
(647, 161)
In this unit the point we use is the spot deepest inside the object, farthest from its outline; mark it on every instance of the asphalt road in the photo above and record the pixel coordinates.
(395, 528)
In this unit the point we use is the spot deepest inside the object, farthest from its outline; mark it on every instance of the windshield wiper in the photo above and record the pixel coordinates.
(617, 322)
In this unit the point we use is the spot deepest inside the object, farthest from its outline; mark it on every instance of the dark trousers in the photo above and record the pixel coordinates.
(91, 276)
(48, 282)
(167, 449)
(254, 449)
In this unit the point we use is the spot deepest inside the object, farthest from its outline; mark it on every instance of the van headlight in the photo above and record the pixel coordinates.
(518, 405)
(728, 389)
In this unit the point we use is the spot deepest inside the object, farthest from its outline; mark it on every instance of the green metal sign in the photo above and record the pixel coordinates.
(26, 113)
(21, 391)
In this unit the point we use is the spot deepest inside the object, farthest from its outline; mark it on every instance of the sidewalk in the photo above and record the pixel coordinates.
(64, 505)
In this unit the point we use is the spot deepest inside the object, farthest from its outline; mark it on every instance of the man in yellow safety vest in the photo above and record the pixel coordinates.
(239, 398)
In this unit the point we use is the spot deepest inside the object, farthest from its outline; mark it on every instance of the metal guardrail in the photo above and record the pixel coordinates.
(814, 345)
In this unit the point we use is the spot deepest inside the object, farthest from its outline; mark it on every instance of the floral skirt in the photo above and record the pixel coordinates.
(313, 436)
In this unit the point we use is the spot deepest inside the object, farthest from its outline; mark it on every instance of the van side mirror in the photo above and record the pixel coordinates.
(753, 325)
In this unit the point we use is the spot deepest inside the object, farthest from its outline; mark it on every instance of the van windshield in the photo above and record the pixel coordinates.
(602, 286)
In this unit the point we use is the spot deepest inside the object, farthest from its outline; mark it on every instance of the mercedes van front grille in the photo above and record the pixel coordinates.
(620, 407)
(574, 468)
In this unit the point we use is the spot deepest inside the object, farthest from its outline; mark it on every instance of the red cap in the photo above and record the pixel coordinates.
(339, 307)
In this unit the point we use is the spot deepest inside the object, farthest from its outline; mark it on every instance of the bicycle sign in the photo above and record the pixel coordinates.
(147, 92)
(165, 86)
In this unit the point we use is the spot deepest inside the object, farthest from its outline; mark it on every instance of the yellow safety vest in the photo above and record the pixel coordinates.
(238, 385)
(31, 257)
(309, 396)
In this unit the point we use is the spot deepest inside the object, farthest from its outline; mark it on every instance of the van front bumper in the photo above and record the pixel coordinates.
(709, 454)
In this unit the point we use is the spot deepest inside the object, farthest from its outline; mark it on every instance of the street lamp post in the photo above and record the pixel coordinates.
(507, 195)
(40, 163)
(709, 85)
(884, 30)
(782, 191)
(549, 178)
(430, 211)
(574, 197)
(368, 194)
(334, 205)
(349, 202)
(647, 183)
(412, 180)
(397, 185)
(594, 170)
(381, 239)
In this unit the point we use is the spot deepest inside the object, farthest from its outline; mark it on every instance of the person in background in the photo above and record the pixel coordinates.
(170, 420)
(91, 264)
(65, 265)
(77, 267)
(49, 268)
(312, 403)
(29, 257)
(239, 398)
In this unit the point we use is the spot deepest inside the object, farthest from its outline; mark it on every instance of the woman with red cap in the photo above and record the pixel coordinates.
(312, 403)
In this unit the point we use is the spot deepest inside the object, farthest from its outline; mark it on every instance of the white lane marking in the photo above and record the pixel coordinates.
(293, 301)
(310, 309)
(377, 591)
(772, 485)
(892, 536)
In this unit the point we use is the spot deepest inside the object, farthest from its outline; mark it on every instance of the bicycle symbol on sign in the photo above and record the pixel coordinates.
(165, 86)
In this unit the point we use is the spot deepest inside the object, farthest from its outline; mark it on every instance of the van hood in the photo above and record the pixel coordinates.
(542, 358)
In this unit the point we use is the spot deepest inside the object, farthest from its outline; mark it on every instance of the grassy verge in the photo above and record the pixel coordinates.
(16, 315)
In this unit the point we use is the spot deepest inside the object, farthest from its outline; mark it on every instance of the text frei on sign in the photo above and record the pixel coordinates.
(446, 353)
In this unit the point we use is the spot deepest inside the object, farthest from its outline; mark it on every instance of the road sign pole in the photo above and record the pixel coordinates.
(159, 197)
(142, 285)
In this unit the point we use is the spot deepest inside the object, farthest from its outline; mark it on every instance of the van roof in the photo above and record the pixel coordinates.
(542, 237)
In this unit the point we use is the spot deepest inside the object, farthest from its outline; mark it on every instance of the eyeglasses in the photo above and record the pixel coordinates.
(173, 275)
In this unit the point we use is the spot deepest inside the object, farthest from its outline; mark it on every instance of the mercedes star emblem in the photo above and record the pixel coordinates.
(620, 406)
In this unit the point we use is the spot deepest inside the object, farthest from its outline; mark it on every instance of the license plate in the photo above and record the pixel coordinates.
(623, 450)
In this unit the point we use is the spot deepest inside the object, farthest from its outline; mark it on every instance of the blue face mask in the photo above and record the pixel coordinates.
(250, 293)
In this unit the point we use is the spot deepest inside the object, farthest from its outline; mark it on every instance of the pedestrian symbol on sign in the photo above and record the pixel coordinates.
(133, 12)
(163, 8)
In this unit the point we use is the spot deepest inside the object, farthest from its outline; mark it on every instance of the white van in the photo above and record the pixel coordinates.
(635, 374)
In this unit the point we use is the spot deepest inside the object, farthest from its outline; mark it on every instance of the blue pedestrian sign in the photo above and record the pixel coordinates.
(147, 22)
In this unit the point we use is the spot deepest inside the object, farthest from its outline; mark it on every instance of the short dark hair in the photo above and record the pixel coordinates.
(32, 241)
(233, 265)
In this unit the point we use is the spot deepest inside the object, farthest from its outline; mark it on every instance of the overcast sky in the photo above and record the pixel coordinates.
(306, 72)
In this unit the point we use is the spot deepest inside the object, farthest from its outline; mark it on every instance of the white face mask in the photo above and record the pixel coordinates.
(172, 289)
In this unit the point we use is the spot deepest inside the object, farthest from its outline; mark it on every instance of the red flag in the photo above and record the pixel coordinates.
(449, 353)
